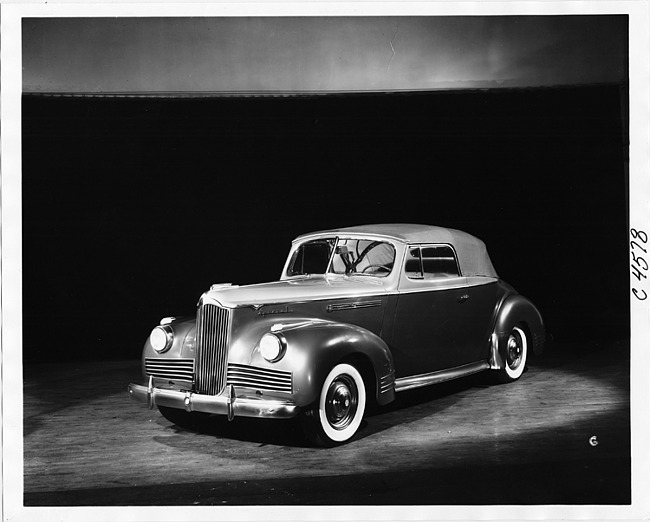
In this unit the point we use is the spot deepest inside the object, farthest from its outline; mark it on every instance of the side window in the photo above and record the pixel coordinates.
(413, 266)
(439, 261)
(311, 258)
(430, 262)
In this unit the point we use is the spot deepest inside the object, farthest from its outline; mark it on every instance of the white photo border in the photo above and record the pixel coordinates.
(639, 216)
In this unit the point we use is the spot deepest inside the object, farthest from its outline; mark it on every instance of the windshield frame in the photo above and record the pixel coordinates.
(295, 252)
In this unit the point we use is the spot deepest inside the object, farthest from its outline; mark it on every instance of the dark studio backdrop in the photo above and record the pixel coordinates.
(133, 206)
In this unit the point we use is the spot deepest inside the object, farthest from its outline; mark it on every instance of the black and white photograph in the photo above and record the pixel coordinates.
(325, 261)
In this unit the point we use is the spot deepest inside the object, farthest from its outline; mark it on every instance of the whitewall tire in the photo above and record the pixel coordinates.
(341, 405)
(515, 355)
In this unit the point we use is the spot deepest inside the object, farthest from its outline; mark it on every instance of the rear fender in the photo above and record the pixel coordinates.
(516, 310)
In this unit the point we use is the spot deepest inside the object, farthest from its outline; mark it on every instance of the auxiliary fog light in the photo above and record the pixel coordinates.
(272, 347)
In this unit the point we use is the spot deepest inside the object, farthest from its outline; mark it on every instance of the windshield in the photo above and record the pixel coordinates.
(343, 256)
(312, 257)
(362, 257)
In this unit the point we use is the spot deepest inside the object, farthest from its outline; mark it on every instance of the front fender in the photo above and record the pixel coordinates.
(516, 309)
(314, 347)
(184, 329)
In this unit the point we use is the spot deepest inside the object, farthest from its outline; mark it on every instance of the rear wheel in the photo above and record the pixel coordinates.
(340, 408)
(516, 353)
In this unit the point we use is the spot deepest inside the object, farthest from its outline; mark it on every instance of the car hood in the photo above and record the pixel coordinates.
(292, 290)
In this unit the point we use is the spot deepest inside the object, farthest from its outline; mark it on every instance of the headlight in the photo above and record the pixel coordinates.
(272, 347)
(161, 338)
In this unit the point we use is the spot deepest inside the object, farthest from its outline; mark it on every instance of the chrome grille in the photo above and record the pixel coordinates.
(171, 369)
(259, 378)
(212, 335)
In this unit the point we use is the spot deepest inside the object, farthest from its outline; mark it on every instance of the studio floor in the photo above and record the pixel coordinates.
(559, 435)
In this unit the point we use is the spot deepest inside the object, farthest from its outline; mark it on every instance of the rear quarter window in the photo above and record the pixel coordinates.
(431, 262)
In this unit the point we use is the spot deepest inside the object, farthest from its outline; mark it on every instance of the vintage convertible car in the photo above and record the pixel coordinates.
(357, 315)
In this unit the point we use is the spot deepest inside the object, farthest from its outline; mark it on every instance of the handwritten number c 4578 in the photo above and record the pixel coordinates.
(639, 265)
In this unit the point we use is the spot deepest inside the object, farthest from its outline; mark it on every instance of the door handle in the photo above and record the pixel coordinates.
(463, 298)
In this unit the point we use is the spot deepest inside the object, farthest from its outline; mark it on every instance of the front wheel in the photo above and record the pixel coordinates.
(341, 405)
(515, 356)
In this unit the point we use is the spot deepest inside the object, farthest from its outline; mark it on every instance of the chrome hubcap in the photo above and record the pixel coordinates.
(514, 351)
(341, 403)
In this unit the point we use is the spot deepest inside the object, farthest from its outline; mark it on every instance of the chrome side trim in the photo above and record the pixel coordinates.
(386, 382)
(352, 306)
(414, 286)
(425, 379)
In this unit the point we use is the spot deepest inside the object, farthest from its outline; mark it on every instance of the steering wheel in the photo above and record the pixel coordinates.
(379, 267)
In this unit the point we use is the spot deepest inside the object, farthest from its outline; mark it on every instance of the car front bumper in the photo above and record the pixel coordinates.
(229, 403)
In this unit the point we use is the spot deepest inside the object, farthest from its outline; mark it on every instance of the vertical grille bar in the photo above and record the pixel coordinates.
(212, 328)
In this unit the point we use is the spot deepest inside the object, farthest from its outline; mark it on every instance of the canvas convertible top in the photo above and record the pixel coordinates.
(472, 253)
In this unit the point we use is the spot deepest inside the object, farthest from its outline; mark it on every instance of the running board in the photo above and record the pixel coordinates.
(408, 383)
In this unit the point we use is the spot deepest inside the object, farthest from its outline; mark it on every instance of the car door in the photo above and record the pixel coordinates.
(430, 329)
(478, 312)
